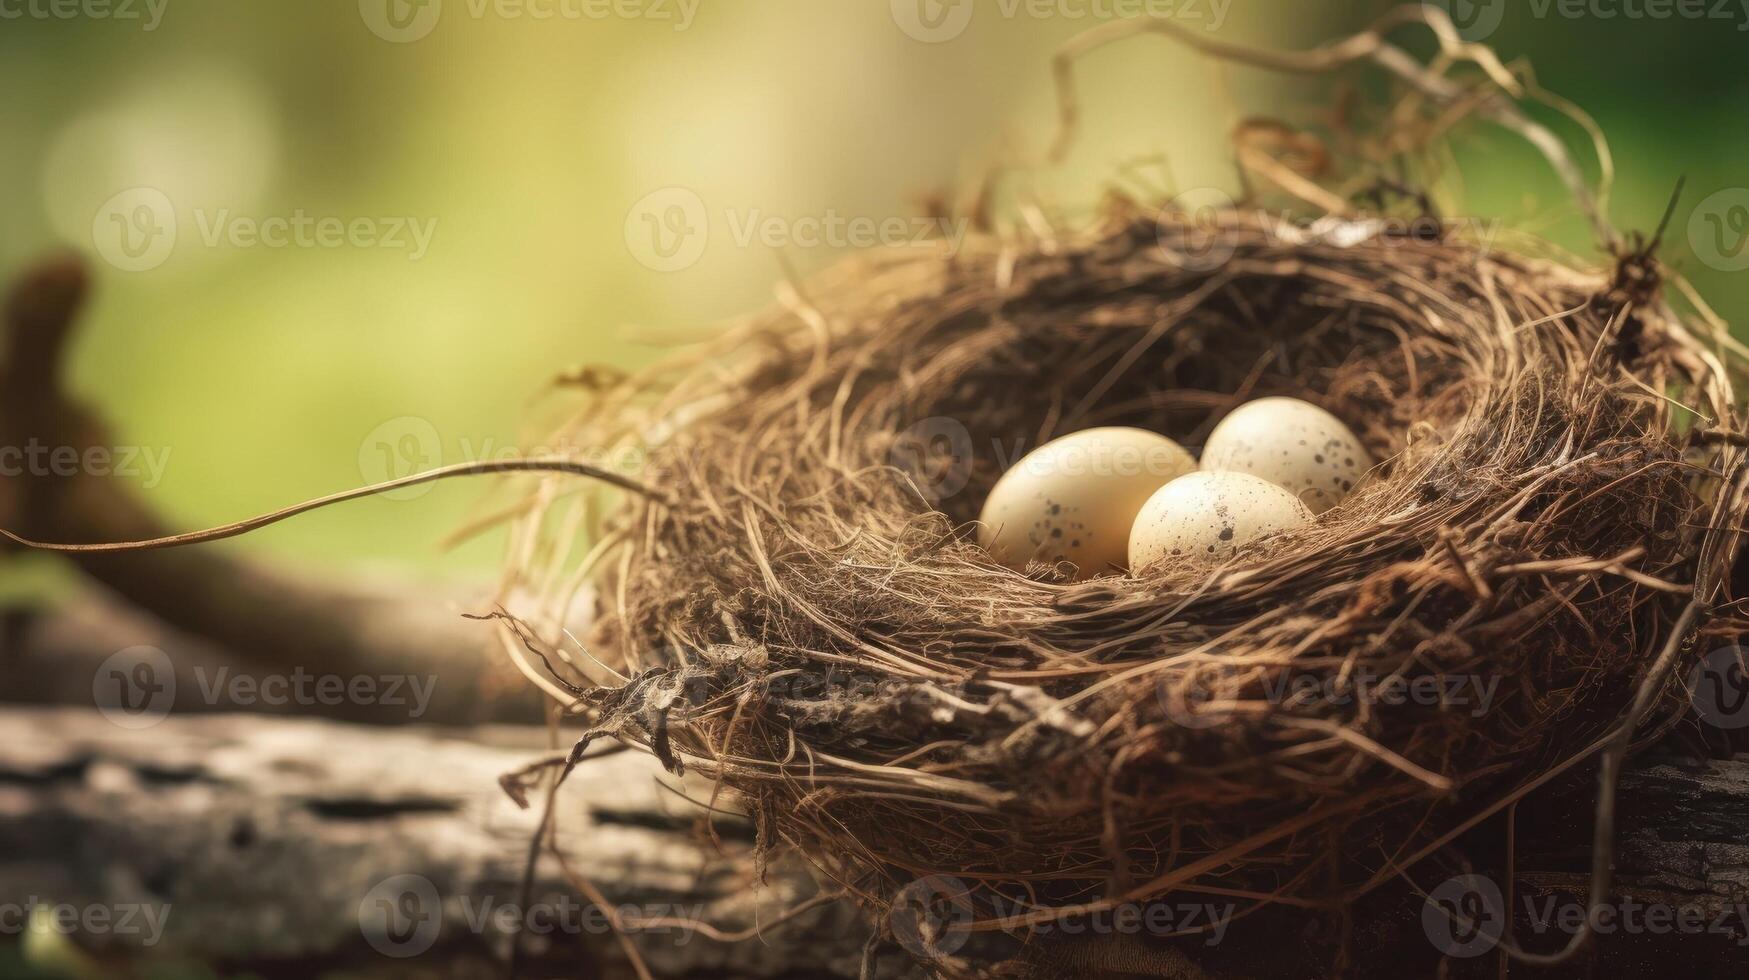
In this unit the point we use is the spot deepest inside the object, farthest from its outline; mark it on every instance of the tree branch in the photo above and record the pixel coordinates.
(269, 617)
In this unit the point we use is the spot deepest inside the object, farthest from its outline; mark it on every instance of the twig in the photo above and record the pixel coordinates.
(537, 464)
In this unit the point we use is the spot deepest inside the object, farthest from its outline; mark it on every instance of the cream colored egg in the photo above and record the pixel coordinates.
(1206, 515)
(1074, 499)
(1293, 444)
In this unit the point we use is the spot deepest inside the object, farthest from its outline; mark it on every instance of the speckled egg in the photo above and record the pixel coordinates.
(1293, 444)
(1209, 515)
(1073, 499)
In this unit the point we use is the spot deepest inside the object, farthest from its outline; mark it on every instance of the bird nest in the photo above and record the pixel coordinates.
(795, 604)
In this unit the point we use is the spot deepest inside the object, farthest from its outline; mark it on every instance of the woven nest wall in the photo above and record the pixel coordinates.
(800, 611)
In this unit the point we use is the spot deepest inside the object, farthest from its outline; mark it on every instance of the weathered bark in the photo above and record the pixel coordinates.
(262, 838)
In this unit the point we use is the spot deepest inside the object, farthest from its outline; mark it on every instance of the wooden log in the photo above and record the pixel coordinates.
(284, 845)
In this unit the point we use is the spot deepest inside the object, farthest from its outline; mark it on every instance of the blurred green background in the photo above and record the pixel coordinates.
(525, 144)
